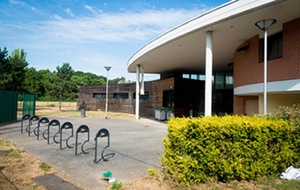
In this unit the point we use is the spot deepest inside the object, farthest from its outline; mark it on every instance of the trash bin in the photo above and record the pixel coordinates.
(191, 113)
(169, 113)
(82, 111)
(160, 114)
(82, 108)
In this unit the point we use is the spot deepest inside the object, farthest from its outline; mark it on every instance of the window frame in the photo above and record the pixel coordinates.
(99, 95)
(274, 47)
(119, 95)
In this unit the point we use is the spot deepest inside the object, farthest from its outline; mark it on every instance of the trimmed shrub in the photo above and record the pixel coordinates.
(228, 148)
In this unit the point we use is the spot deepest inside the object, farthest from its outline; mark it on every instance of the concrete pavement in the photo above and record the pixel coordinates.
(137, 145)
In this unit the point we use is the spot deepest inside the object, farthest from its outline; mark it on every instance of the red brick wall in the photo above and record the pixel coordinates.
(289, 67)
(159, 87)
(239, 102)
(155, 89)
(248, 69)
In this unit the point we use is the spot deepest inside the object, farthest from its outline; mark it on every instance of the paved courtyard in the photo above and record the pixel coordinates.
(136, 145)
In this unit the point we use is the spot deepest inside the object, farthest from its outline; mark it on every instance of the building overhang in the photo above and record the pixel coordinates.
(183, 48)
(286, 87)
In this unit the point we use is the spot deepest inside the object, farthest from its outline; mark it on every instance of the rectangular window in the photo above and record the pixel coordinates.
(274, 47)
(142, 97)
(219, 80)
(194, 76)
(99, 95)
(185, 76)
(120, 95)
(202, 77)
(229, 82)
(168, 98)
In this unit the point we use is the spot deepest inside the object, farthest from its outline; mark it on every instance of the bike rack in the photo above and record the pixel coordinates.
(101, 134)
(52, 123)
(30, 122)
(66, 125)
(82, 129)
(36, 131)
(24, 118)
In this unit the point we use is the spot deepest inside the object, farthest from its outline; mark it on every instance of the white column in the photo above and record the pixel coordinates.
(137, 93)
(208, 74)
(265, 71)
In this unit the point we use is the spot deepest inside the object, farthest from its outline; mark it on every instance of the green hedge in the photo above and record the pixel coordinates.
(228, 148)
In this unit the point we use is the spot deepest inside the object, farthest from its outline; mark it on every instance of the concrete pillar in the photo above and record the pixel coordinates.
(208, 73)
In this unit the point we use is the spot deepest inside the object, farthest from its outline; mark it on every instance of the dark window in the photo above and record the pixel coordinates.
(99, 95)
(223, 80)
(229, 82)
(142, 97)
(219, 80)
(120, 95)
(274, 48)
(168, 98)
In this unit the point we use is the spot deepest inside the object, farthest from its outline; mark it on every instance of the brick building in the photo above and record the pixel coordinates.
(227, 39)
(214, 64)
(172, 93)
(283, 71)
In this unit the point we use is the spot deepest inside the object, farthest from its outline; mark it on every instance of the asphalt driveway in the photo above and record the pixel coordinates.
(135, 146)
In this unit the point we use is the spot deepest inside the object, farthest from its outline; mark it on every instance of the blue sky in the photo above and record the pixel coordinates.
(90, 34)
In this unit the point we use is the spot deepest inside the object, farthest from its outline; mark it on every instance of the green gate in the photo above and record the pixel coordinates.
(9, 106)
(29, 104)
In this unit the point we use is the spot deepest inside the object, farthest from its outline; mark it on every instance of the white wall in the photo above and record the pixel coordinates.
(276, 100)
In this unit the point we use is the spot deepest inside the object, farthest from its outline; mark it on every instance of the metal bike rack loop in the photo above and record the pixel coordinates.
(82, 129)
(101, 134)
(32, 119)
(25, 117)
(52, 123)
(42, 121)
(66, 126)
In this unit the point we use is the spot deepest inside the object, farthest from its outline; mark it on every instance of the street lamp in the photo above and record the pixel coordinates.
(106, 103)
(264, 25)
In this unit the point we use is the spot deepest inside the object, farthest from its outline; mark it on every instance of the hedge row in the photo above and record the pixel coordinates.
(229, 148)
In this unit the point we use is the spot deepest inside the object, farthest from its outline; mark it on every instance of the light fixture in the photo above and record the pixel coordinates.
(264, 25)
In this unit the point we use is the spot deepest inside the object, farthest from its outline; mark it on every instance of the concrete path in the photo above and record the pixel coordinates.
(137, 145)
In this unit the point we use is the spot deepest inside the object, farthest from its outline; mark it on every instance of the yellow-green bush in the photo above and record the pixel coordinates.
(228, 148)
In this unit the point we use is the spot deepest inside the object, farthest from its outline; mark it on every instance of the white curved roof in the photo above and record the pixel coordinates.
(183, 48)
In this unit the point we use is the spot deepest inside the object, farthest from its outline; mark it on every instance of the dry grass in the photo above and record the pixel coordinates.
(69, 109)
(18, 168)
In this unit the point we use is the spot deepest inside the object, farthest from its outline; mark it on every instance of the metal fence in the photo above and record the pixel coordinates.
(29, 104)
(8, 106)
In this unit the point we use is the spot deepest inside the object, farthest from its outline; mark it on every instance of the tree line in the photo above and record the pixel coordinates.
(59, 85)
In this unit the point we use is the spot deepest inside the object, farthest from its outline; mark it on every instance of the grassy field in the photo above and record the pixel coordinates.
(69, 109)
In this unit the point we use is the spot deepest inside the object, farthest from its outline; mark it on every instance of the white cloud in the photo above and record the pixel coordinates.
(125, 27)
(116, 27)
(93, 9)
(85, 41)
(56, 16)
(104, 27)
(14, 2)
(69, 12)
(22, 4)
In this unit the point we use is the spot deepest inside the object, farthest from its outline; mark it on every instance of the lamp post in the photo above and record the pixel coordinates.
(106, 103)
(264, 25)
